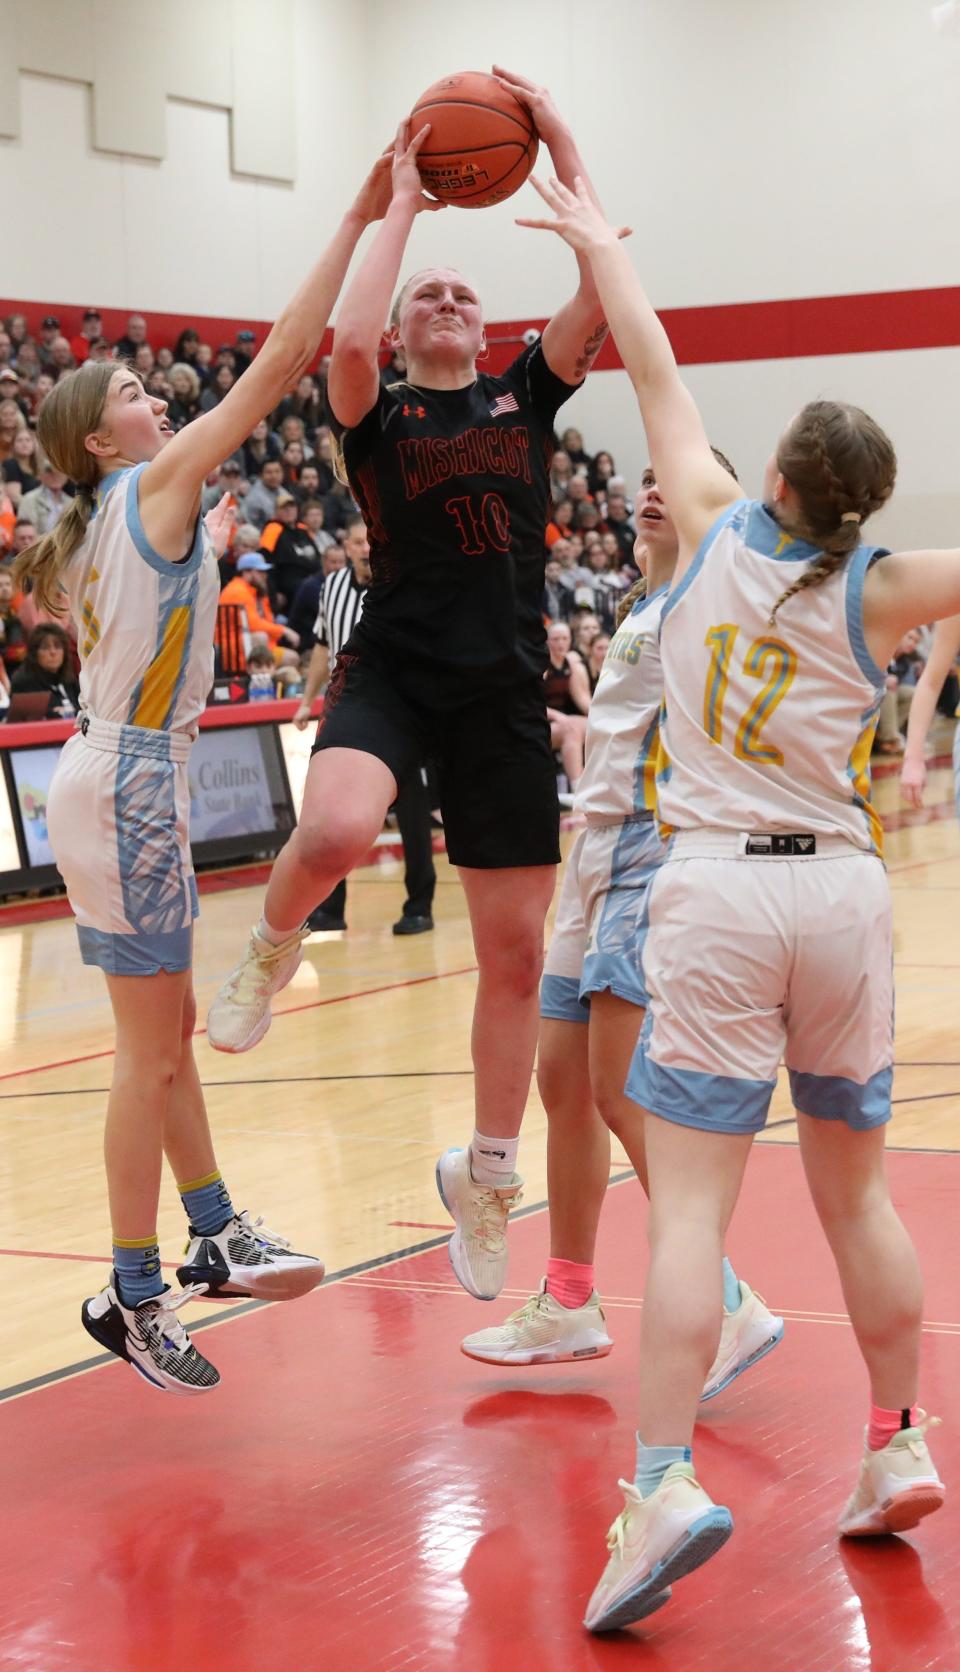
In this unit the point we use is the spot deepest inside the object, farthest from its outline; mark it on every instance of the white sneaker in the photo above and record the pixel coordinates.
(653, 1542)
(898, 1486)
(478, 1247)
(746, 1336)
(247, 1259)
(151, 1338)
(240, 1014)
(543, 1332)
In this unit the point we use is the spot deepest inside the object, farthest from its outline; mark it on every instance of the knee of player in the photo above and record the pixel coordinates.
(334, 845)
(518, 965)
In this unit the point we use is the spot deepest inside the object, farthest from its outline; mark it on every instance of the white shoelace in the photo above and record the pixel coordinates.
(260, 1232)
(163, 1317)
(251, 978)
(616, 1532)
(490, 1218)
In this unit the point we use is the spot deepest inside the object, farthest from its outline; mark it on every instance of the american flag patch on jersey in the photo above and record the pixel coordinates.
(504, 403)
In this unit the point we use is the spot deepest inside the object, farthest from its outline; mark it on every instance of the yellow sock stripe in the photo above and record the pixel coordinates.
(135, 1242)
(198, 1184)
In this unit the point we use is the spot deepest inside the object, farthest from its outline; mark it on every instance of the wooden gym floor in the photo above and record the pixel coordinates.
(358, 1494)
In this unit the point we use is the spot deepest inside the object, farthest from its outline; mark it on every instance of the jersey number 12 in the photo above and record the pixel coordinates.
(769, 660)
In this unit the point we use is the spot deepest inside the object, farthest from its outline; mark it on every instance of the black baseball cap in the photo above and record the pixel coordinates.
(51, 323)
(91, 313)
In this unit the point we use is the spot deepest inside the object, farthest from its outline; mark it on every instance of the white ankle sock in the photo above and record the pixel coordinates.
(493, 1160)
(276, 937)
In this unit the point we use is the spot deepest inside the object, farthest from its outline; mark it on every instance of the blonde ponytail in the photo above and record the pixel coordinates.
(71, 411)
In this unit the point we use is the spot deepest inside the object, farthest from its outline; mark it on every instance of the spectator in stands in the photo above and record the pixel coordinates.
(246, 539)
(291, 550)
(229, 480)
(572, 444)
(260, 505)
(6, 347)
(561, 471)
(339, 506)
(249, 589)
(599, 475)
(333, 558)
(244, 351)
(8, 519)
(618, 485)
(308, 483)
(20, 469)
(258, 448)
(100, 350)
(186, 394)
(325, 457)
(305, 403)
(578, 491)
(61, 357)
(596, 656)
(221, 383)
(15, 326)
(567, 692)
(144, 361)
(292, 460)
(902, 674)
(11, 389)
(560, 522)
(13, 639)
(46, 504)
(24, 534)
(48, 666)
(557, 597)
(135, 334)
(185, 348)
(165, 359)
(585, 627)
(311, 510)
(292, 428)
(28, 362)
(609, 586)
(49, 331)
(90, 331)
(12, 422)
(587, 519)
(203, 363)
(618, 522)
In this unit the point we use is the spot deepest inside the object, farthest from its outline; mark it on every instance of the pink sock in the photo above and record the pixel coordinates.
(569, 1283)
(884, 1424)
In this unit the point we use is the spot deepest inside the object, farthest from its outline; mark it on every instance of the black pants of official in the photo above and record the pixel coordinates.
(412, 808)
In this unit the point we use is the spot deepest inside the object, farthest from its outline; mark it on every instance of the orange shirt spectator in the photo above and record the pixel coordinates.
(252, 597)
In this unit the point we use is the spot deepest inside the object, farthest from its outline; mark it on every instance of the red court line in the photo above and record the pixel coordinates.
(292, 1010)
(406, 1225)
(92, 1259)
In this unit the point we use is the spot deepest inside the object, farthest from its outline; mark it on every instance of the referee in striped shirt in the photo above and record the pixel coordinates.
(341, 603)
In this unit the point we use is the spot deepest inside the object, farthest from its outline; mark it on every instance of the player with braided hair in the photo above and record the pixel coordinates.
(770, 924)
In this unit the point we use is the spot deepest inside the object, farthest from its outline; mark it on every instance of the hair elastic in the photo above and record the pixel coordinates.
(851, 516)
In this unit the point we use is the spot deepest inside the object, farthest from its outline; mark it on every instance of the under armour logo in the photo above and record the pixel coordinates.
(414, 411)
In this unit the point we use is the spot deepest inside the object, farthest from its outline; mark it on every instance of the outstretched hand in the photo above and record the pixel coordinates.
(373, 199)
(220, 523)
(578, 220)
(406, 175)
(546, 117)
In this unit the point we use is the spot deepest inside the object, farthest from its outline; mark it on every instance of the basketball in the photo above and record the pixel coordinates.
(482, 142)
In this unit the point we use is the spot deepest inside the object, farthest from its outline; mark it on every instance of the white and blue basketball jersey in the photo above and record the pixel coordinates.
(767, 728)
(144, 625)
(618, 780)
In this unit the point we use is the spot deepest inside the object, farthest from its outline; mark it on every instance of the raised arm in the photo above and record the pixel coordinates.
(575, 335)
(171, 484)
(943, 654)
(694, 485)
(908, 589)
(354, 375)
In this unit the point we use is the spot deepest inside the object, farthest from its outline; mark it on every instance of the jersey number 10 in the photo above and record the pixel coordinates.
(767, 659)
(482, 524)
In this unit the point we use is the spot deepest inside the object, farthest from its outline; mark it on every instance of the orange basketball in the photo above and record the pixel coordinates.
(482, 142)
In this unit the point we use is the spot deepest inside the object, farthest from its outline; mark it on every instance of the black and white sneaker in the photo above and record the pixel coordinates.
(247, 1259)
(151, 1338)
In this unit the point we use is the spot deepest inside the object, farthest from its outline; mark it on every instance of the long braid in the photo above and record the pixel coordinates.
(832, 509)
(637, 591)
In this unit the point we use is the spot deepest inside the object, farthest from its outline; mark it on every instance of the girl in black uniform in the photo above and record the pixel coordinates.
(450, 468)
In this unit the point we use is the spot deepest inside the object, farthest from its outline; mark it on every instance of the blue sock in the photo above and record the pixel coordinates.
(137, 1267)
(731, 1287)
(653, 1463)
(207, 1204)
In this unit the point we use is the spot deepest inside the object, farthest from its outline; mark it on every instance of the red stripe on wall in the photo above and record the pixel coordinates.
(872, 323)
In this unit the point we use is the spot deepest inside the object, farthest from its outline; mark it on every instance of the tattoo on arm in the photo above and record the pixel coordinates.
(591, 349)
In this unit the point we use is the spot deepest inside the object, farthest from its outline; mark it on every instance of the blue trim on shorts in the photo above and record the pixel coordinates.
(832, 1097)
(560, 999)
(709, 1102)
(605, 972)
(139, 954)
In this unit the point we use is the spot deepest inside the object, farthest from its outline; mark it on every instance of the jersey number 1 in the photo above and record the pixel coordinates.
(768, 659)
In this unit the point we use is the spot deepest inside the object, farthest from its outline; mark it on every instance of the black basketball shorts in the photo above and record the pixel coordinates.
(498, 787)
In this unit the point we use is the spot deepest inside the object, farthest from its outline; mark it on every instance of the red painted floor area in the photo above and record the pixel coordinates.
(358, 1495)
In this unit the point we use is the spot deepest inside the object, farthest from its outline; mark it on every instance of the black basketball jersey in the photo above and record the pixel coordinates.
(454, 487)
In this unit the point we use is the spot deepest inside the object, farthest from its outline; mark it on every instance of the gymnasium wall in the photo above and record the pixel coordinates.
(762, 152)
